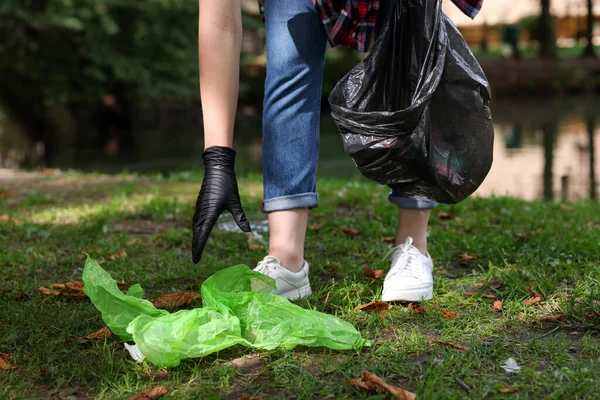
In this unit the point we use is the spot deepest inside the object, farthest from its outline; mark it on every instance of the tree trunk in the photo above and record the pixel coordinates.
(550, 131)
(589, 49)
(484, 39)
(591, 126)
(547, 32)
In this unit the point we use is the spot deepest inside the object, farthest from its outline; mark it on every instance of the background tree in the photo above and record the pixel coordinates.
(589, 49)
(71, 53)
(547, 32)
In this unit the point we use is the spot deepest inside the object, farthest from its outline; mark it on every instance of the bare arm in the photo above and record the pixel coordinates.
(219, 46)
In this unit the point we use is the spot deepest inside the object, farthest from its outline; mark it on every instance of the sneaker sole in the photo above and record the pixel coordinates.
(407, 295)
(296, 294)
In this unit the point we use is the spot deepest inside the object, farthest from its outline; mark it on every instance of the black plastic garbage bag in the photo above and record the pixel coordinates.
(415, 114)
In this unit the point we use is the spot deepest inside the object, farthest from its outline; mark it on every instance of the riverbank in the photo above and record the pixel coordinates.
(529, 77)
(538, 78)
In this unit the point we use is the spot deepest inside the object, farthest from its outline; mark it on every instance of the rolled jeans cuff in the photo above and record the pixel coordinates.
(411, 202)
(303, 200)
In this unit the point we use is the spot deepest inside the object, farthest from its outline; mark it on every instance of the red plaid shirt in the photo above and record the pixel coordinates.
(352, 22)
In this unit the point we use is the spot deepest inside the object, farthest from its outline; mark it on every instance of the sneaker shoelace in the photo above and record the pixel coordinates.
(266, 266)
(407, 262)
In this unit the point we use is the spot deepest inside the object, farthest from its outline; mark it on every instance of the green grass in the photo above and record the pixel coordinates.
(51, 221)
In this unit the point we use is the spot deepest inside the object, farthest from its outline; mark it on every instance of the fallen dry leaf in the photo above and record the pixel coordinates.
(374, 198)
(149, 394)
(133, 241)
(533, 301)
(75, 286)
(373, 274)
(372, 383)
(123, 287)
(389, 239)
(464, 257)
(20, 296)
(449, 314)
(529, 289)
(6, 194)
(445, 216)
(536, 296)
(174, 300)
(453, 345)
(331, 271)
(254, 242)
(47, 292)
(562, 295)
(4, 359)
(350, 232)
(527, 235)
(509, 389)
(484, 295)
(596, 312)
(378, 306)
(69, 289)
(552, 318)
(43, 372)
(497, 305)
(416, 308)
(8, 220)
(118, 254)
(99, 334)
(496, 285)
(316, 227)
(50, 171)
(566, 208)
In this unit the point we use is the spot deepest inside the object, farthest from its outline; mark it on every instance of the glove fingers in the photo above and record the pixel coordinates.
(239, 216)
(202, 225)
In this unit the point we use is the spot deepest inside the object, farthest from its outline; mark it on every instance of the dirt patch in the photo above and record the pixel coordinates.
(247, 365)
(255, 387)
(58, 187)
(141, 226)
(15, 179)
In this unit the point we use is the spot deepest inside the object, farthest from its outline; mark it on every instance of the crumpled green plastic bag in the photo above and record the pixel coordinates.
(238, 309)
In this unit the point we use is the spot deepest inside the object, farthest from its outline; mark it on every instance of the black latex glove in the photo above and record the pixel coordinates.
(219, 192)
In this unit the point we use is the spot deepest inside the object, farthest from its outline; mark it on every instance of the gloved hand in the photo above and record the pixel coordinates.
(219, 192)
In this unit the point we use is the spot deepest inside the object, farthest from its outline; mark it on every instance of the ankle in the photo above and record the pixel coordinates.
(419, 242)
(287, 232)
(290, 260)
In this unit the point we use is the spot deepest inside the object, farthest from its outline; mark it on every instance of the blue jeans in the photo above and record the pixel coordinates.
(296, 43)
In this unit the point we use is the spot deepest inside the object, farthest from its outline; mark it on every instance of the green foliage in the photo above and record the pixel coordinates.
(530, 24)
(60, 51)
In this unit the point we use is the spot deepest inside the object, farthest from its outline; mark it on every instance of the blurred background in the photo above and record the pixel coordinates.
(112, 85)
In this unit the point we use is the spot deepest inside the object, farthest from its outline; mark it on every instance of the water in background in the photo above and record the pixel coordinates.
(543, 148)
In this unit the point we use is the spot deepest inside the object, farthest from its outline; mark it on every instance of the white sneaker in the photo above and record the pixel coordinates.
(291, 285)
(410, 277)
